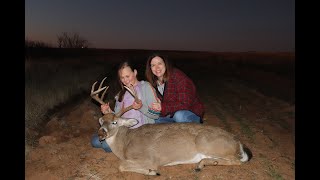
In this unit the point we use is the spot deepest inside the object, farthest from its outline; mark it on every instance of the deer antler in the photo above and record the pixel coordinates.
(94, 94)
(133, 92)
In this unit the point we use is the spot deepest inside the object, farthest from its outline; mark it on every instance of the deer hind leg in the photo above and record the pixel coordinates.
(138, 167)
(217, 161)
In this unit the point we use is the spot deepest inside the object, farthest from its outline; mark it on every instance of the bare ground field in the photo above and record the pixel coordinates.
(262, 121)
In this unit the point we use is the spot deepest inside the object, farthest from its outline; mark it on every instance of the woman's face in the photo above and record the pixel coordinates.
(127, 76)
(158, 67)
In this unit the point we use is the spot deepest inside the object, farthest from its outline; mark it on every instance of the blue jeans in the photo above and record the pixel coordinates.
(99, 144)
(180, 116)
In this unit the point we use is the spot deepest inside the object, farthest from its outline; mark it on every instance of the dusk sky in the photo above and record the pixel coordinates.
(197, 25)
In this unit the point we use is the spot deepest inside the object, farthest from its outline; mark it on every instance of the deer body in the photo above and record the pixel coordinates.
(144, 149)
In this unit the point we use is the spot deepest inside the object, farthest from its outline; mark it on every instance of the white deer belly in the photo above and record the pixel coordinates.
(197, 158)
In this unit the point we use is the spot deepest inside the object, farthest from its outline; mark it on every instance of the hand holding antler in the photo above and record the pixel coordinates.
(137, 105)
(105, 108)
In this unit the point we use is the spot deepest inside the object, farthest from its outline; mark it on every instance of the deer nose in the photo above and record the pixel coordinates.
(101, 138)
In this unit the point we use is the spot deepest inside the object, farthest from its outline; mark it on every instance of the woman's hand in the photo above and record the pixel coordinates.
(105, 108)
(137, 105)
(156, 105)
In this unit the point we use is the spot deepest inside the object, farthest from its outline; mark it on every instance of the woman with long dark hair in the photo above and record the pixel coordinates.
(176, 91)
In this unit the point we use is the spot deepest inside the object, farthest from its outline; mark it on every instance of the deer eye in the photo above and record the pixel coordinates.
(114, 122)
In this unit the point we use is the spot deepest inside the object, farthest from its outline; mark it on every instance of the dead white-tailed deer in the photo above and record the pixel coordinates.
(144, 149)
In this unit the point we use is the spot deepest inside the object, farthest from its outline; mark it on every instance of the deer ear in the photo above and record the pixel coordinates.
(130, 122)
(101, 121)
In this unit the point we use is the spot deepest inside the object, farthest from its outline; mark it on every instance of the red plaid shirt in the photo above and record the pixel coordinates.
(180, 94)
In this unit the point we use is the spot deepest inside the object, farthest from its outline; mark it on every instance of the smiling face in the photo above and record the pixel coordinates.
(127, 76)
(158, 67)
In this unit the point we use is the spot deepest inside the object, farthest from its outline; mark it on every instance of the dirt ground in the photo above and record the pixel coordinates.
(264, 123)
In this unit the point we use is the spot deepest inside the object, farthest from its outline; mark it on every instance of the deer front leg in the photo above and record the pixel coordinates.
(138, 167)
(217, 161)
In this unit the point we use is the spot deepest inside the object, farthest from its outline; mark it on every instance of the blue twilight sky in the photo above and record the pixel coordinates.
(198, 25)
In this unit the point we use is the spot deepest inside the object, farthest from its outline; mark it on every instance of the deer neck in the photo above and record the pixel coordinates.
(117, 141)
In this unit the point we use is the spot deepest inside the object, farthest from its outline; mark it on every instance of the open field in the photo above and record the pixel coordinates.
(251, 95)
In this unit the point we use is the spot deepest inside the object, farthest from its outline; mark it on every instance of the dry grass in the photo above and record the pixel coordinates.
(50, 83)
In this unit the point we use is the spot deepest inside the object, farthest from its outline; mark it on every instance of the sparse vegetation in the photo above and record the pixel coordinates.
(231, 110)
(51, 83)
(221, 115)
(245, 127)
(270, 168)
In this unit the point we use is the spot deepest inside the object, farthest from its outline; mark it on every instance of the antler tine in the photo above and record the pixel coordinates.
(94, 94)
(132, 92)
(102, 82)
(97, 91)
(102, 96)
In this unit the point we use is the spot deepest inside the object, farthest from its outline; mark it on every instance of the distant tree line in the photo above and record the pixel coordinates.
(72, 40)
(64, 40)
(36, 44)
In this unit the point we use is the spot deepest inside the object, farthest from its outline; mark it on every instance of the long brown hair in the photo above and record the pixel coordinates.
(151, 78)
(123, 65)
